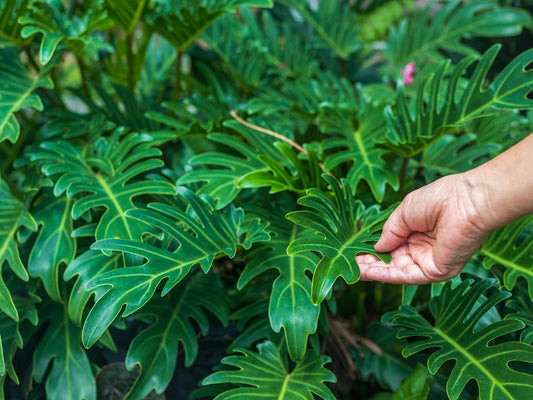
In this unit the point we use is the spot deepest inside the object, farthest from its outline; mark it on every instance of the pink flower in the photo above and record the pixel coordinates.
(408, 73)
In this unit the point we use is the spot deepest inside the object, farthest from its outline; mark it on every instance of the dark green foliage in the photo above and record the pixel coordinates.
(175, 174)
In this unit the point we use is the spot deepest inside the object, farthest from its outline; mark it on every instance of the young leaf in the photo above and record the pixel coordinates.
(202, 233)
(339, 230)
(70, 375)
(474, 354)
(155, 349)
(13, 216)
(264, 375)
(54, 244)
(508, 247)
(290, 306)
(447, 107)
(16, 91)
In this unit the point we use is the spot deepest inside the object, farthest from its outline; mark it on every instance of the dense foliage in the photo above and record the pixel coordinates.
(184, 182)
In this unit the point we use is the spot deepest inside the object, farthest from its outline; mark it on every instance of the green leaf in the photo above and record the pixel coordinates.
(70, 375)
(10, 12)
(339, 230)
(182, 22)
(415, 387)
(155, 349)
(356, 145)
(109, 174)
(334, 22)
(447, 106)
(125, 13)
(290, 306)
(451, 155)
(13, 217)
(202, 233)
(54, 244)
(422, 35)
(452, 337)
(264, 375)
(16, 91)
(509, 247)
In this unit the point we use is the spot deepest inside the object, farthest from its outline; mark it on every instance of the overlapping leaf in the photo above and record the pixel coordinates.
(109, 173)
(70, 375)
(512, 247)
(13, 216)
(10, 12)
(125, 13)
(447, 106)
(475, 356)
(265, 375)
(290, 306)
(16, 91)
(54, 244)
(422, 35)
(338, 229)
(202, 233)
(155, 349)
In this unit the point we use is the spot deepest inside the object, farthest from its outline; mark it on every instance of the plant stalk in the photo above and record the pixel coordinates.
(177, 84)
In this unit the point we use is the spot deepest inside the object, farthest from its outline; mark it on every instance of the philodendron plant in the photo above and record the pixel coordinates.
(183, 183)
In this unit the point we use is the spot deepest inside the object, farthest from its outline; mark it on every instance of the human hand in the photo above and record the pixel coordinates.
(431, 235)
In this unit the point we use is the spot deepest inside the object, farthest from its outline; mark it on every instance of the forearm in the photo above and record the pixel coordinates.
(502, 188)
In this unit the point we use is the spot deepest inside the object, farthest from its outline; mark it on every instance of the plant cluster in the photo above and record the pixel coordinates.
(178, 171)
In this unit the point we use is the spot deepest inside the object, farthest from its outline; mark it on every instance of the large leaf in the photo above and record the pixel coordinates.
(109, 173)
(447, 106)
(70, 375)
(16, 91)
(13, 216)
(290, 306)
(338, 229)
(265, 375)
(202, 233)
(54, 244)
(155, 349)
(125, 13)
(422, 35)
(452, 337)
(181, 22)
(512, 247)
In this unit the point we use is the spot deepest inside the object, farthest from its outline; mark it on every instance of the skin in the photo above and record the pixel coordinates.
(436, 229)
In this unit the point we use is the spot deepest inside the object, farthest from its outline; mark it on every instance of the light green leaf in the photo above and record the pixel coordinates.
(415, 387)
(202, 233)
(155, 349)
(339, 230)
(70, 375)
(16, 92)
(54, 244)
(290, 306)
(446, 106)
(476, 354)
(508, 247)
(265, 376)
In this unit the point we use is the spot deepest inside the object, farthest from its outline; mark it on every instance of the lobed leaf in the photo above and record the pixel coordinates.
(477, 354)
(339, 230)
(264, 375)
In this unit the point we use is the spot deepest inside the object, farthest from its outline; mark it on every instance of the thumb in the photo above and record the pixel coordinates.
(395, 232)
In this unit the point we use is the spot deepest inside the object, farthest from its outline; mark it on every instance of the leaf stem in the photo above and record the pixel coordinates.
(403, 172)
(177, 83)
(131, 62)
(83, 76)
